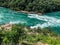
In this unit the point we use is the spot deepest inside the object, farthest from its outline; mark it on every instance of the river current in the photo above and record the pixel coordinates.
(51, 20)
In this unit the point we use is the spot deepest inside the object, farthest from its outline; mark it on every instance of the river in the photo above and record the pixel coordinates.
(51, 20)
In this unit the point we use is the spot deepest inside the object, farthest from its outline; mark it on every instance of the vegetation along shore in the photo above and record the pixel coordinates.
(40, 6)
(19, 34)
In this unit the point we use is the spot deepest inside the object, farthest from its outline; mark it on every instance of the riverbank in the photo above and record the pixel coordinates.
(30, 12)
(6, 26)
(18, 34)
(27, 12)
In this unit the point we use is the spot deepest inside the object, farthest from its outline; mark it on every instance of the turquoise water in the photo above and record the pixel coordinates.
(51, 20)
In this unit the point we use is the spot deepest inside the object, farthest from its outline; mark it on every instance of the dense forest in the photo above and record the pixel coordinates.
(32, 5)
(22, 35)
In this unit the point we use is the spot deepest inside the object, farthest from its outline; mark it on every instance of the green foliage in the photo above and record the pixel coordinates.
(44, 39)
(18, 34)
(32, 5)
(12, 36)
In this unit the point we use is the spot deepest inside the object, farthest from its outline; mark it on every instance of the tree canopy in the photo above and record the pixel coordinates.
(32, 5)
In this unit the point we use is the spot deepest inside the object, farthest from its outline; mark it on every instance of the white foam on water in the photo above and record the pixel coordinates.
(50, 21)
(16, 22)
(1, 15)
(44, 25)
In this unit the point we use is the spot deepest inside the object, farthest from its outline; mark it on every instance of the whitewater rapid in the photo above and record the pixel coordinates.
(49, 21)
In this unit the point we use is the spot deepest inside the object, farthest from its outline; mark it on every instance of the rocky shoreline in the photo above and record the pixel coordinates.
(6, 26)
(27, 12)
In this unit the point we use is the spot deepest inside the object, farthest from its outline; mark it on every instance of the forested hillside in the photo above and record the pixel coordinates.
(18, 28)
(32, 5)
(20, 34)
